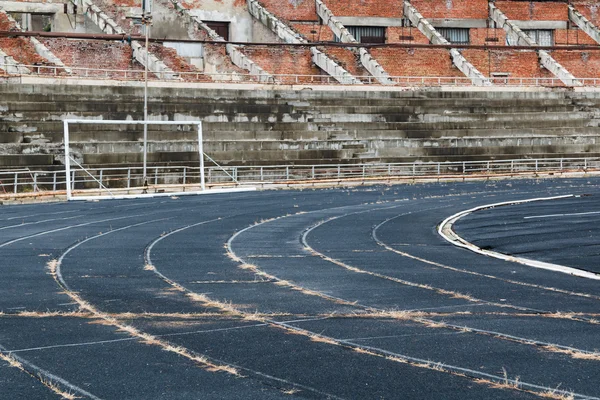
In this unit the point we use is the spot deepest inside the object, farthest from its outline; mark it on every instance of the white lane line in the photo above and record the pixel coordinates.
(65, 228)
(561, 215)
(445, 230)
(38, 222)
(128, 339)
(49, 375)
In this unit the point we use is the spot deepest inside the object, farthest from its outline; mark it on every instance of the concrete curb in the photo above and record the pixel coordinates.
(445, 230)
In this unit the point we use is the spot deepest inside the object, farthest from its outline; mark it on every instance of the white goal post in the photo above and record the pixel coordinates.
(69, 159)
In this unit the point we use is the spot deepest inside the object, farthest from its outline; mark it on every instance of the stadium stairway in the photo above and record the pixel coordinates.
(268, 127)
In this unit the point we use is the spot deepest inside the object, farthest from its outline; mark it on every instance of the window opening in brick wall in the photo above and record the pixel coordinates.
(222, 28)
(543, 37)
(455, 35)
(367, 34)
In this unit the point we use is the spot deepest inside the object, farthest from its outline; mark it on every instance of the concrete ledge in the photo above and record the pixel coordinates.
(69, 81)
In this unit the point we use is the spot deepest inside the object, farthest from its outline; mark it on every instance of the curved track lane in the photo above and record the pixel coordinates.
(342, 294)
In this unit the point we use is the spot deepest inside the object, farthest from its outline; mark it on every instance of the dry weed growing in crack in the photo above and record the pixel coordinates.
(134, 332)
(56, 389)
(452, 294)
(13, 362)
(49, 314)
(580, 355)
(556, 395)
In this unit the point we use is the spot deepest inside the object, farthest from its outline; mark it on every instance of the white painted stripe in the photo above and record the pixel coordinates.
(150, 195)
(445, 231)
(561, 215)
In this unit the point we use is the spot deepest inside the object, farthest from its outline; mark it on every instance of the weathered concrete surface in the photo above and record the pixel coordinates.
(299, 126)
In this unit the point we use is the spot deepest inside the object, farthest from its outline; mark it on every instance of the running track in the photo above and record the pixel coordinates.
(331, 293)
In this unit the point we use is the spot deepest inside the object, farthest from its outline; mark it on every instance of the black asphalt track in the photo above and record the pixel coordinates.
(330, 293)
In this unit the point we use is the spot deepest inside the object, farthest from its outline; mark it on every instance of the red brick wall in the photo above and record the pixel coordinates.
(93, 54)
(484, 36)
(191, 4)
(348, 60)
(176, 63)
(531, 10)
(416, 62)
(589, 8)
(289, 10)
(572, 37)
(20, 48)
(580, 63)
(366, 8)
(463, 9)
(323, 32)
(397, 34)
(284, 60)
(518, 63)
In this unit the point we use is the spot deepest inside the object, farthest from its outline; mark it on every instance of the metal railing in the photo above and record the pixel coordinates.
(35, 181)
(236, 77)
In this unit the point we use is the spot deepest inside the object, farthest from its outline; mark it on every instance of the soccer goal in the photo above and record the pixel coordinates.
(114, 170)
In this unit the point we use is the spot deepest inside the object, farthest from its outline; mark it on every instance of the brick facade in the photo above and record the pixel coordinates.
(460, 9)
(534, 11)
(582, 64)
(366, 8)
(178, 64)
(397, 34)
(518, 64)
(489, 37)
(292, 10)
(21, 48)
(96, 54)
(572, 37)
(416, 62)
(590, 9)
(347, 59)
(313, 31)
(284, 60)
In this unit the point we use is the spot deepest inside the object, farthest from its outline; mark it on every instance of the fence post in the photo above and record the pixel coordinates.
(414, 168)
(561, 164)
(155, 176)
(54, 182)
(16, 182)
(100, 180)
(363, 173)
(438, 168)
(261, 174)
(128, 178)
(338, 171)
(184, 174)
(35, 185)
(536, 165)
(287, 173)
(313, 172)
(512, 166)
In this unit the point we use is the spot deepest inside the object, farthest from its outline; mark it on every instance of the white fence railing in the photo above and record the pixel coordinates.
(411, 81)
(25, 180)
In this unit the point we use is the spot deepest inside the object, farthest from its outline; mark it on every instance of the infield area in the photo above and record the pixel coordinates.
(317, 294)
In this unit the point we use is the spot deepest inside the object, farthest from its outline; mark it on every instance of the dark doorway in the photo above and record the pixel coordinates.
(222, 28)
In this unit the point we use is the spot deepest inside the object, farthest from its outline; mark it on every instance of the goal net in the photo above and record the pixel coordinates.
(112, 159)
